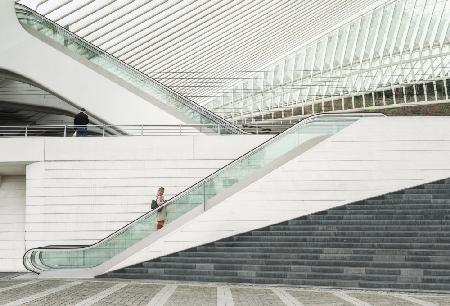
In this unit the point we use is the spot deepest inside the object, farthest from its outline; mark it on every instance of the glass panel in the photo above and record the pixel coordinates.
(395, 23)
(388, 97)
(340, 46)
(328, 106)
(337, 103)
(447, 36)
(332, 40)
(368, 100)
(350, 43)
(379, 98)
(365, 23)
(320, 53)
(440, 90)
(358, 100)
(443, 22)
(308, 110)
(373, 32)
(310, 51)
(318, 108)
(415, 20)
(297, 111)
(430, 92)
(410, 94)
(409, 7)
(348, 104)
(277, 73)
(436, 16)
(447, 83)
(426, 12)
(399, 95)
(288, 68)
(383, 28)
(299, 65)
(277, 115)
(420, 92)
(267, 116)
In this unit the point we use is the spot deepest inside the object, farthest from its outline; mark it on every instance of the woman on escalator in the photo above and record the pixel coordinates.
(161, 214)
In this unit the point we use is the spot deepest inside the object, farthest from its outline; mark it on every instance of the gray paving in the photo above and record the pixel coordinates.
(309, 298)
(189, 295)
(7, 275)
(28, 290)
(380, 300)
(136, 292)
(73, 295)
(133, 294)
(4, 285)
(438, 300)
(255, 297)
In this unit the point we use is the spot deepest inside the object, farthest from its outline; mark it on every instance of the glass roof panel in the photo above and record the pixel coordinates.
(200, 47)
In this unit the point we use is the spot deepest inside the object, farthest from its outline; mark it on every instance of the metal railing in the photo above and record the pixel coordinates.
(68, 130)
(47, 258)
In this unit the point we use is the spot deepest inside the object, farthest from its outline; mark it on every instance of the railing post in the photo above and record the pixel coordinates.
(179, 126)
(103, 132)
(65, 130)
(26, 131)
(142, 130)
(257, 130)
(218, 129)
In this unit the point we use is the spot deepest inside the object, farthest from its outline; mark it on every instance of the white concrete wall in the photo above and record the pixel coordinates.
(86, 188)
(12, 223)
(371, 157)
(86, 86)
(22, 93)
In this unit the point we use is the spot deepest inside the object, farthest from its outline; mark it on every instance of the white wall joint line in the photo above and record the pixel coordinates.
(287, 299)
(163, 295)
(415, 300)
(351, 299)
(101, 295)
(42, 294)
(18, 285)
(10, 275)
(224, 297)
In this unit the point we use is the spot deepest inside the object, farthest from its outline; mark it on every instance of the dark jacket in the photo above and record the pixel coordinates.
(81, 119)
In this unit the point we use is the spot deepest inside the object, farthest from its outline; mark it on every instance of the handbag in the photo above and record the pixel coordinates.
(154, 205)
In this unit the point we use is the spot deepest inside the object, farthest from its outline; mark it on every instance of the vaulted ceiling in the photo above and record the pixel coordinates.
(198, 47)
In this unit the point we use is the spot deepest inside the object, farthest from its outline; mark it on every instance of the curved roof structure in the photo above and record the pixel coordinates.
(198, 47)
(398, 43)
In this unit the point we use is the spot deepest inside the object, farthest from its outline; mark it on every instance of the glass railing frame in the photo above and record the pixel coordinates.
(29, 254)
(134, 72)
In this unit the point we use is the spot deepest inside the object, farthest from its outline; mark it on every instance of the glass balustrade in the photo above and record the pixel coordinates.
(198, 195)
(34, 21)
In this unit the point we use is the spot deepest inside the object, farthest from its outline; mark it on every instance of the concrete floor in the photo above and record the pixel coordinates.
(25, 289)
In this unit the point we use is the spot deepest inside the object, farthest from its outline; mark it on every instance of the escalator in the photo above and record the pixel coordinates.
(42, 27)
(198, 196)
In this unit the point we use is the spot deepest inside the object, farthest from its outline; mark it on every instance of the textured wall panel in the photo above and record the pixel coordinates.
(12, 223)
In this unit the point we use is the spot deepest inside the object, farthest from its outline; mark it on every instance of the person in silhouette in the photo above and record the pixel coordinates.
(161, 214)
(80, 122)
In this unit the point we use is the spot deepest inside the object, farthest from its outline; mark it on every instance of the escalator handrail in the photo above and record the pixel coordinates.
(303, 122)
(143, 77)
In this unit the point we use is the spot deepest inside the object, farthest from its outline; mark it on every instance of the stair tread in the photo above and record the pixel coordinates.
(398, 240)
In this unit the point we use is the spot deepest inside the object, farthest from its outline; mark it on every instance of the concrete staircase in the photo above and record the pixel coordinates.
(399, 240)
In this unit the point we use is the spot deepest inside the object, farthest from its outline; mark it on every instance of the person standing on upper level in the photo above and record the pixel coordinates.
(80, 121)
(161, 214)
